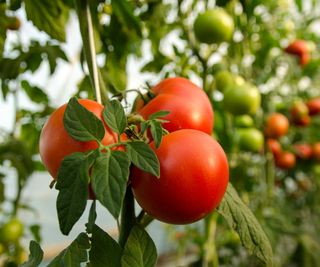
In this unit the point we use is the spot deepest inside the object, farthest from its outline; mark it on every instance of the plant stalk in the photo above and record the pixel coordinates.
(210, 256)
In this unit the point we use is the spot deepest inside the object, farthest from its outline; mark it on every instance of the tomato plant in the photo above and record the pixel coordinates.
(193, 170)
(214, 26)
(188, 105)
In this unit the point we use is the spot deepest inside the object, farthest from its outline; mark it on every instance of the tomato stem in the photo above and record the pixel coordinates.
(210, 256)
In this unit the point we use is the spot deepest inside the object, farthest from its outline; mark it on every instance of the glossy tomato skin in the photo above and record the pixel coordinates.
(313, 106)
(189, 106)
(277, 125)
(55, 142)
(286, 160)
(193, 178)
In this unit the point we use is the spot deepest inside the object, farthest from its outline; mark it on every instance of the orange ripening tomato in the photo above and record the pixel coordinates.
(286, 160)
(56, 143)
(193, 178)
(313, 106)
(316, 151)
(189, 106)
(277, 125)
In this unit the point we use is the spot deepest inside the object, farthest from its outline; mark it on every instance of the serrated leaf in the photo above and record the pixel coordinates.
(110, 175)
(159, 114)
(34, 92)
(72, 183)
(241, 219)
(105, 251)
(35, 257)
(81, 124)
(124, 12)
(73, 255)
(143, 157)
(156, 132)
(49, 16)
(139, 250)
(115, 116)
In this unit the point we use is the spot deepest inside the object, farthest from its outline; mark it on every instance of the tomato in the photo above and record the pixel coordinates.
(11, 231)
(299, 48)
(274, 146)
(55, 142)
(250, 139)
(316, 151)
(243, 121)
(193, 178)
(313, 106)
(277, 125)
(298, 110)
(286, 160)
(214, 26)
(225, 79)
(244, 99)
(189, 106)
(303, 151)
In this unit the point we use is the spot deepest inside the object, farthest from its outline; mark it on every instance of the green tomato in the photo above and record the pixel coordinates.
(250, 139)
(214, 26)
(243, 121)
(240, 100)
(11, 231)
(225, 79)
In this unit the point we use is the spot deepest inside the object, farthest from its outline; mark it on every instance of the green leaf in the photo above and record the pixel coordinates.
(35, 230)
(72, 183)
(139, 250)
(105, 251)
(92, 217)
(34, 92)
(143, 157)
(110, 175)
(115, 116)
(73, 255)
(159, 114)
(124, 12)
(82, 124)
(156, 132)
(49, 16)
(35, 257)
(241, 219)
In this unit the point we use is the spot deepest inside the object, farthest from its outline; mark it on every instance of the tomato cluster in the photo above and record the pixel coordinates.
(193, 167)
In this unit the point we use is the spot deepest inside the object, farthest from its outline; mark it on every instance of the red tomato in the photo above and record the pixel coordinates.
(316, 151)
(194, 176)
(189, 106)
(55, 143)
(314, 106)
(274, 147)
(286, 160)
(300, 49)
(277, 125)
(303, 151)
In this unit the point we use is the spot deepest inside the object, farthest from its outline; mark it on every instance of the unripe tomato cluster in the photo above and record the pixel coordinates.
(193, 167)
